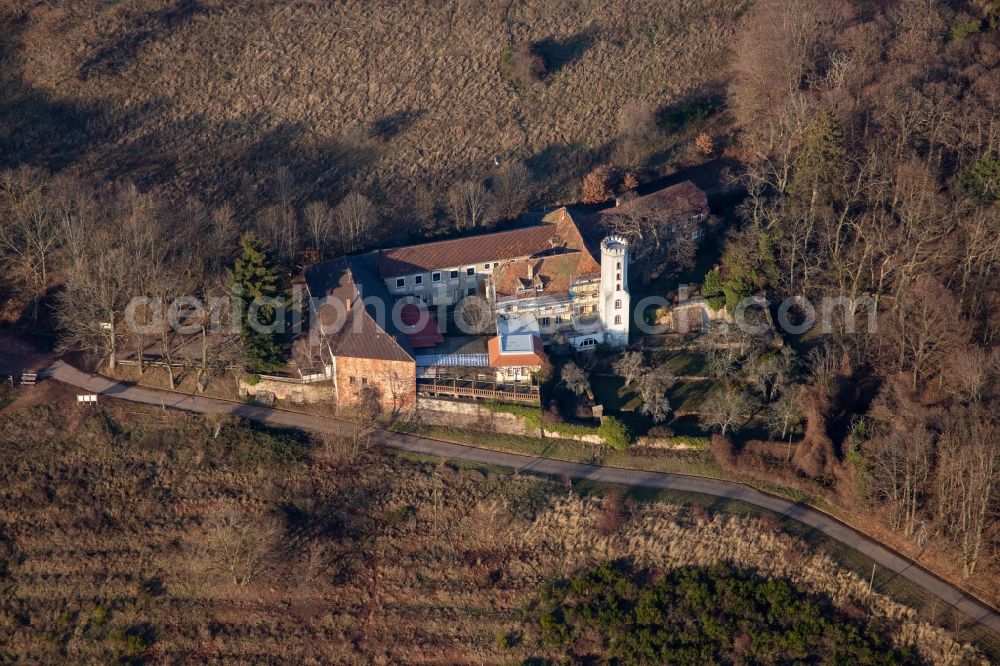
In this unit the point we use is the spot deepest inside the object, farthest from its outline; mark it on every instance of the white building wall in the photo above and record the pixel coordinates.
(613, 303)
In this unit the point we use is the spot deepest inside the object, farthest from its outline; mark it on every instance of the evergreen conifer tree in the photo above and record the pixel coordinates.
(255, 280)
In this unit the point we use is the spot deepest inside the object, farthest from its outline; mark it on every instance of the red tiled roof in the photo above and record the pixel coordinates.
(498, 360)
(559, 230)
(554, 272)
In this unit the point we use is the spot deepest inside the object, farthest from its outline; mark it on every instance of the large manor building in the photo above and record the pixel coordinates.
(382, 317)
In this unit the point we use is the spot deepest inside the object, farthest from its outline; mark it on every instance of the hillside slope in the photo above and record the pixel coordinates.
(205, 96)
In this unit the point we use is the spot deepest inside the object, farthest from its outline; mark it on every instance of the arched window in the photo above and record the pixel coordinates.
(618, 304)
(618, 319)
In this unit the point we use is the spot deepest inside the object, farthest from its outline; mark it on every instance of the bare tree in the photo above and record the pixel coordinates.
(470, 205)
(356, 218)
(966, 486)
(724, 409)
(784, 417)
(658, 241)
(970, 371)
(319, 225)
(653, 386)
(575, 378)
(222, 239)
(637, 133)
(242, 547)
(475, 315)
(631, 365)
(511, 189)
(29, 229)
(900, 467)
(111, 263)
(925, 326)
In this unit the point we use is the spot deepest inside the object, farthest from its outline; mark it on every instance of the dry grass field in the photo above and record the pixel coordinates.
(211, 97)
(134, 535)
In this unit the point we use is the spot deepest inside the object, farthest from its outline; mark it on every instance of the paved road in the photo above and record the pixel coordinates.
(813, 518)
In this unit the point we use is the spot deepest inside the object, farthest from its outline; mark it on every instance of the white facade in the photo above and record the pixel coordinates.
(613, 299)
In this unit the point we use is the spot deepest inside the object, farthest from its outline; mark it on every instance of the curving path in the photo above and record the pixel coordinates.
(882, 555)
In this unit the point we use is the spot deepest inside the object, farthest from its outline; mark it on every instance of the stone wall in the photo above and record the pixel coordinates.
(291, 392)
(693, 316)
(470, 416)
(475, 416)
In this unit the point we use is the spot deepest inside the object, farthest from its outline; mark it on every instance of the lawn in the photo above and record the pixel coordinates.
(624, 401)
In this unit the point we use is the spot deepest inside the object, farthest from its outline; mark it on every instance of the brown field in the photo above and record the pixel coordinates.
(206, 96)
(133, 534)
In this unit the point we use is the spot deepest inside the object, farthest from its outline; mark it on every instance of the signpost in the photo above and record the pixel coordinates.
(87, 398)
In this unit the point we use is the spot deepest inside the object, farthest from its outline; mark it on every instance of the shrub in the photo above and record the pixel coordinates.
(701, 615)
(703, 144)
(521, 63)
(597, 185)
(615, 433)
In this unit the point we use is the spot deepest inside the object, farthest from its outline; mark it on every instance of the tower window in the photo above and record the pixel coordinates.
(618, 319)
(618, 277)
(618, 265)
(618, 304)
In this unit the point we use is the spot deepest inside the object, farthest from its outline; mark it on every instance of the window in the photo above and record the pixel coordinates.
(486, 267)
(400, 282)
(495, 264)
(471, 291)
(471, 270)
(558, 319)
(454, 274)
(436, 276)
(364, 380)
(618, 287)
(544, 321)
(618, 276)
(618, 265)
(618, 319)
(418, 279)
(352, 379)
(589, 342)
(618, 304)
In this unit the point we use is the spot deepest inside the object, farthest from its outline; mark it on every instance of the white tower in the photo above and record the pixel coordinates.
(613, 302)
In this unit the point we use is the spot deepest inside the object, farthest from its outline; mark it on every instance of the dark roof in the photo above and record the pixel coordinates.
(352, 280)
(683, 200)
(559, 230)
